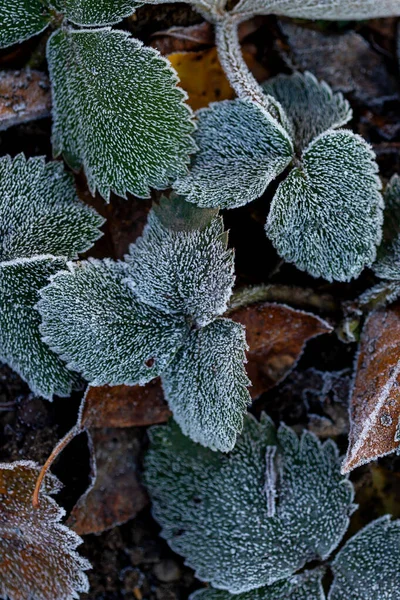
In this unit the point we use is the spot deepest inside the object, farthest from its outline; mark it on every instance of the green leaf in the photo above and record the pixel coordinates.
(183, 272)
(326, 217)
(368, 565)
(387, 265)
(118, 112)
(96, 12)
(206, 385)
(336, 10)
(307, 586)
(95, 323)
(311, 105)
(38, 553)
(40, 212)
(21, 345)
(241, 150)
(21, 19)
(238, 522)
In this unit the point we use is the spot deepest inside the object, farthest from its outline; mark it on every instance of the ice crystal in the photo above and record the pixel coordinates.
(337, 10)
(307, 586)
(220, 500)
(326, 217)
(117, 111)
(388, 264)
(96, 12)
(93, 320)
(241, 150)
(206, 385)
(42, 223)
(21, 19)
(368, 565)
(183, 272)
(311, 105)
(38, 553)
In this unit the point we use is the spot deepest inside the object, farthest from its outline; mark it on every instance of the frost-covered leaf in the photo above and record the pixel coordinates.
(38, 553)
(21, 19)
(311, 105)
(240, 524)
(40, 212)
(336, 10)
(117, 111)
(326, 217)
(96, 12)
(375, 398)
(94, 322)
(368, 565)
(241, 150)
(21, 345)
(380, 294)
(206, 385)
(276, 335)
(307, 586)
(388, 264)
(183, 272)
(25, 96)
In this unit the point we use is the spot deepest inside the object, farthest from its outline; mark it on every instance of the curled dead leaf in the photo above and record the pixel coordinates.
(124, 406)
(375, 399)
(38, 557)
(276, 335)
(115, 494)
(25, 96)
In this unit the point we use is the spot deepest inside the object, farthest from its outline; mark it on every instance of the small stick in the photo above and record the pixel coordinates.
(76, 430)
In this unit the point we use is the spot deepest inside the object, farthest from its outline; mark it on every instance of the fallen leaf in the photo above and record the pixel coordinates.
(375, 400)
(276, 335)
(115, 494)
(38, 558)
(124, 406)
(25, 96)
(183, 39)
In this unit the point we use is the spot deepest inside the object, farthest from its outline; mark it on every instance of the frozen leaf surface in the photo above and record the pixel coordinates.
(241, 150)
(388, 264)
(21, 19)
(257, 525)
(336, 10)
(26, 90)
(183, 272)
(311, 105)
(117, 112)
(21, 345)
(276, 335)
(326, 217)
(375, 399)
(40, 212)
(96, 12)
(38, 553)
(94, 322)
(307, 586)
(206, 385)
(368, 565)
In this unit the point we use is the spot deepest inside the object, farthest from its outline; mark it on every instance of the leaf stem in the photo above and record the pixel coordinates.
(76, 430)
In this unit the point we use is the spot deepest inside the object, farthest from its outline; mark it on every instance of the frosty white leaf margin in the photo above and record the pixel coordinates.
(42, 225)
(262, 512)
(117, 110)
(158, 313)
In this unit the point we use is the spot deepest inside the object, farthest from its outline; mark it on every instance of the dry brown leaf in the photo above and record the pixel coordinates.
(375, 401)
(124, 406)
(24, 96)
(276, 335)
(37, 553)
(115, 495)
